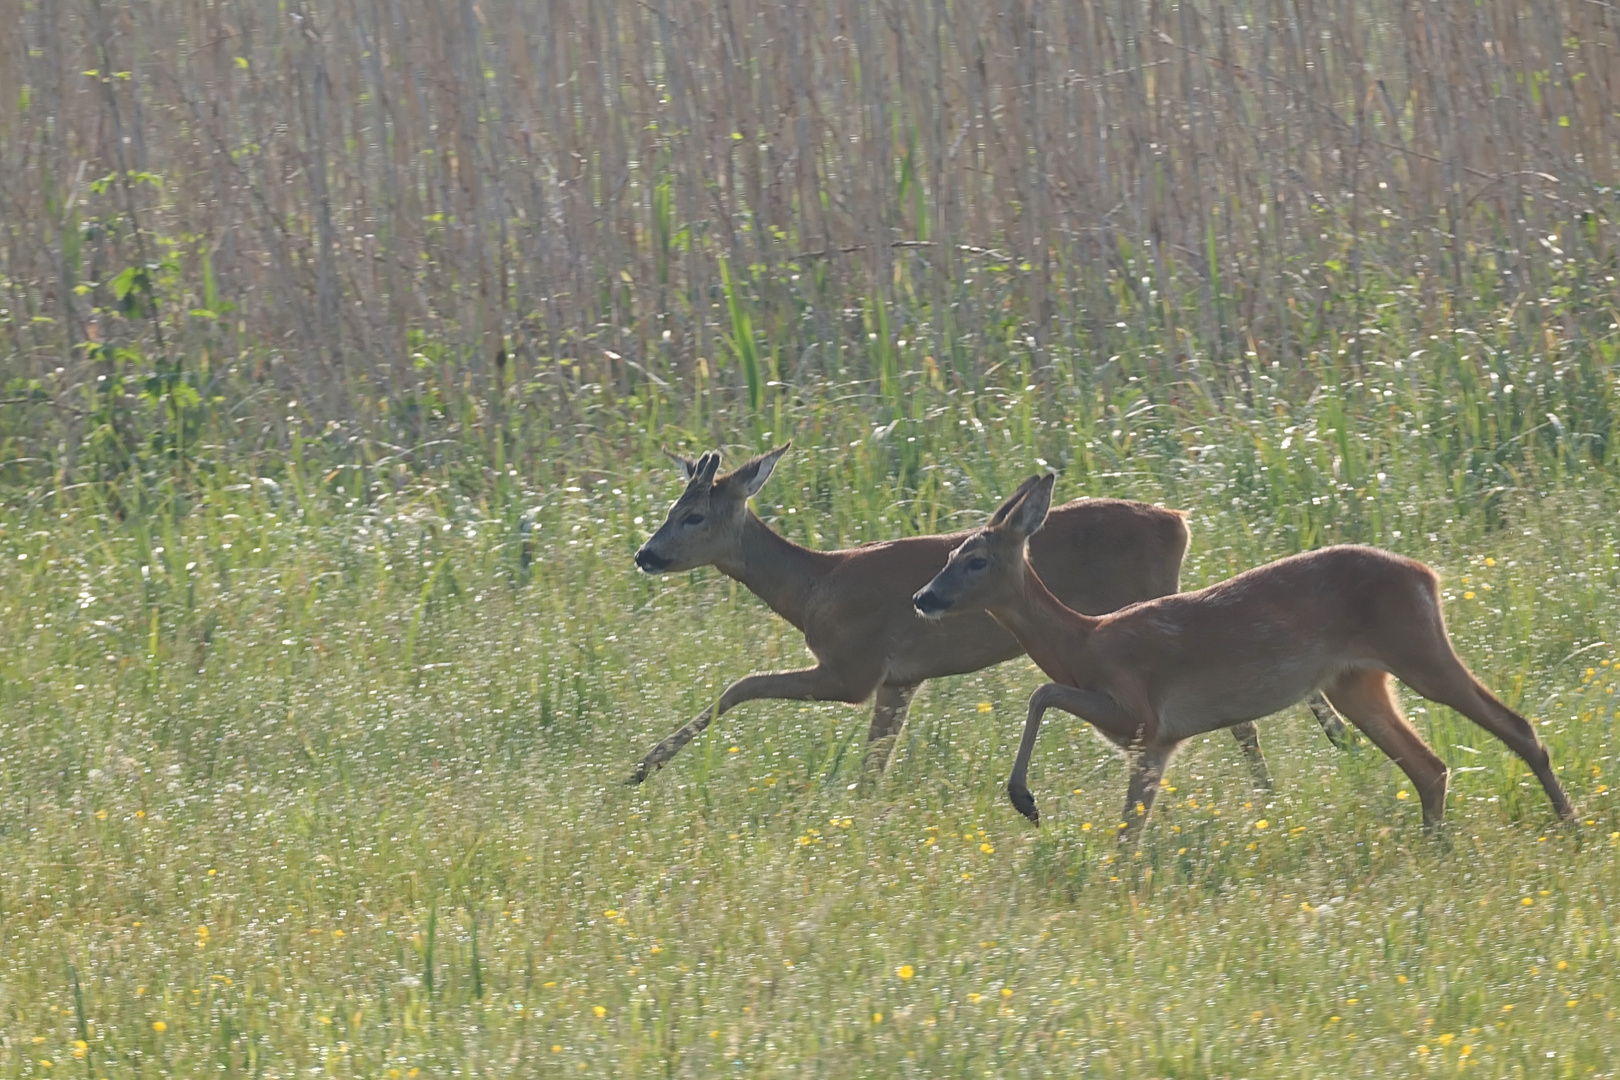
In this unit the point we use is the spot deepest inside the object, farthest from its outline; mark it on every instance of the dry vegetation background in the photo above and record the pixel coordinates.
(393, 200)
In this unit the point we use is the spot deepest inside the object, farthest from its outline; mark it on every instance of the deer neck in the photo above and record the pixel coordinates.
(775, 569)
(1054, 636)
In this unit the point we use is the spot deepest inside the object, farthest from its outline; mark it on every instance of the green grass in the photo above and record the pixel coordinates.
(323, 774)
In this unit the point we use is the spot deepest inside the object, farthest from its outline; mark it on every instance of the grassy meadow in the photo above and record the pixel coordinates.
(300, 782)
(338, 345)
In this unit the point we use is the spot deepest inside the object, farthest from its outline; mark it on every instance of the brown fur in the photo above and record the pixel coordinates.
(1340, 620)
(854, 606)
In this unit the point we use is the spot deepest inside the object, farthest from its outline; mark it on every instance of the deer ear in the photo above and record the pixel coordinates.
(687, 466)
(1000, 516)
(752, 474)
(1029, 515)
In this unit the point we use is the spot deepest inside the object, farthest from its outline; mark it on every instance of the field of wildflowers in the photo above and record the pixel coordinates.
(300, 782)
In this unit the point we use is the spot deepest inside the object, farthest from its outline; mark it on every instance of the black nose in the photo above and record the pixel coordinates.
(651, 563)
(928, 603)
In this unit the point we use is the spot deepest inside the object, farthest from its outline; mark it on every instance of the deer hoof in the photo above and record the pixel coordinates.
(640, 774)
(1024, 803)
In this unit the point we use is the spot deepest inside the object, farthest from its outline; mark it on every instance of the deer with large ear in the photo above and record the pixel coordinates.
(1340, 620)
(854, 606)
(706, 525)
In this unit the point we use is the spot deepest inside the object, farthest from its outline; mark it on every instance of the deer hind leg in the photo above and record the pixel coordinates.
(1332, 726)
(1364, 697)
(1446, 680)
(888, 721)
(819, 683)
(1248, 737)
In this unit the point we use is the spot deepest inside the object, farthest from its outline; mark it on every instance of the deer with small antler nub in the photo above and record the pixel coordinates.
(1341, 620)
(854, 606)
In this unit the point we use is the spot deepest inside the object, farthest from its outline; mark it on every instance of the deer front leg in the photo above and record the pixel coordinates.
(1147, 770)
(1092, 706)
(808, 684)
(888, 721)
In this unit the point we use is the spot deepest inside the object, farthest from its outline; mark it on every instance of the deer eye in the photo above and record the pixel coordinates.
(693, 519)
(977, 563)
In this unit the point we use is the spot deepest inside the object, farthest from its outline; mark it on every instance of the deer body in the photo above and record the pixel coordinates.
(1341, 620)
(854, 606)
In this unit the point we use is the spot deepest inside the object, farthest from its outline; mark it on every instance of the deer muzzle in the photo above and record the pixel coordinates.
(930, 604)
(650, 562)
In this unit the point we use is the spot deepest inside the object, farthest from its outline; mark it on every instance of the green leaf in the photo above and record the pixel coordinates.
(123, 283)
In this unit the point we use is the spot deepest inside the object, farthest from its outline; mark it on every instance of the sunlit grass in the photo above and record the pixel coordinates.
(298, 781)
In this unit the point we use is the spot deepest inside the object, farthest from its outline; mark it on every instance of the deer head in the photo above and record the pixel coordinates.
(987, 569)
(705, 525)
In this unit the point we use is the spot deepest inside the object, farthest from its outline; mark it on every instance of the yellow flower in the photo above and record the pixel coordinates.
(600, 1011)
(80, 1047)
(1489, 561)
(984, 706)
(1086, 827)
(327, 1020)
(1468, 1048)
(1423, 1049)
(1507, 1008)
(905, 971)
(556, 1048)
(101, 815)
(159, 1026)
(1572, 1002)
(1469, 595)
(974, 999)
(1401, 979)
(734, 750)
(1403, 795)
(610, 913)
(877, 1018)
(45, 1063)
(1445, 1040)
(988, 848)
(1527, 901)
(337, 933)
(1563, 965)
(1262, 824)
(1006, 991)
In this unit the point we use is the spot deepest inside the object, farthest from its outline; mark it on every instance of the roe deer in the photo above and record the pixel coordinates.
(1340, 619)
(854, 606)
